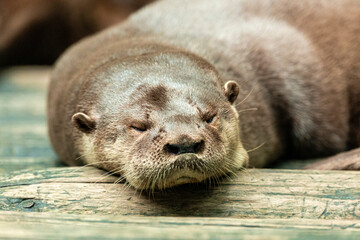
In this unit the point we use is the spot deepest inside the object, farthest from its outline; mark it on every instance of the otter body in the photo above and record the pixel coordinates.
(188, 90)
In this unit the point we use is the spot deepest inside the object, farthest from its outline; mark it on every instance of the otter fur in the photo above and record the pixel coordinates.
(187, 90)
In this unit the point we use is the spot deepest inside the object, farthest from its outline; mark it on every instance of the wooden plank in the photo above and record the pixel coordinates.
(25, 107)
(67, 226)
(25, 146)
(9, 164)
(25, 79)
(23, 135)
(25, 141)
(255, 194)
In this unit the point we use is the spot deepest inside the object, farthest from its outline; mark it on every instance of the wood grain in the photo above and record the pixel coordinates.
(255, 194)
(24, 143)
(69, 226)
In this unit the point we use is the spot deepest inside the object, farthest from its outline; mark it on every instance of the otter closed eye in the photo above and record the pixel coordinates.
(139, 129)
(210, 119)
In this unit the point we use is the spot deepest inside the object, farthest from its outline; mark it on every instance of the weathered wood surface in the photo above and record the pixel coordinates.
(43, 203)
(259, 204)
(255, 194)
(23, 135)
(53, 226)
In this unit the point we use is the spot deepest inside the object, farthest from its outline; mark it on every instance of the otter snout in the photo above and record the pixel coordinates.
(185, 145)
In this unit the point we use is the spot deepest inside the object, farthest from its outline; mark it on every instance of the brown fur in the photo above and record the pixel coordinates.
(156, 96)
(295, 67)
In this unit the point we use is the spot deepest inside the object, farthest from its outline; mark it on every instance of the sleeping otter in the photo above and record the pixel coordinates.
(187, 90)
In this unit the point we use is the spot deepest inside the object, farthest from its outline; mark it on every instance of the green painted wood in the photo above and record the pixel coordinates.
(24, 79)
(17, 140)
(264, 194)
(31, 163)
(68, 226)
(24, 143)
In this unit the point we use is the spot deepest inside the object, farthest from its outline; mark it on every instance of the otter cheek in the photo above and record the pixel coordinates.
(140, 164)
(236, 153)
(115, 154)
(241, 157)
(87, 149)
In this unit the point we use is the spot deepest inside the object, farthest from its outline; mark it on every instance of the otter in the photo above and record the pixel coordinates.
(189, 90)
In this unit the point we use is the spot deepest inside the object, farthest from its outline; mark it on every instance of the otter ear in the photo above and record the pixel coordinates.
(83, 122)
(231, 91)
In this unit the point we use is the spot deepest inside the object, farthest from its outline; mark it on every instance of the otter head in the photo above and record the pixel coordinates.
(161, 120)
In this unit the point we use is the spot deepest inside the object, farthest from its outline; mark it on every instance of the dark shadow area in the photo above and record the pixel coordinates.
(37, 31)
(196, 200)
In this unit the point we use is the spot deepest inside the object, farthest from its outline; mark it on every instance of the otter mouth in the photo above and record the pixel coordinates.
(183, 180)
(187, 169)
(186, 178)
(187, 162)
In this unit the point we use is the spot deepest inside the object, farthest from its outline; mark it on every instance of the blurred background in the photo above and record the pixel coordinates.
(38, 31)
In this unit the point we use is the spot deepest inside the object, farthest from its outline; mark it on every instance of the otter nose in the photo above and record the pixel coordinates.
(178, 149)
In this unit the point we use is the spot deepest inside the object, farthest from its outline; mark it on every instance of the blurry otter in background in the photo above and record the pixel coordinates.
(38, 31)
